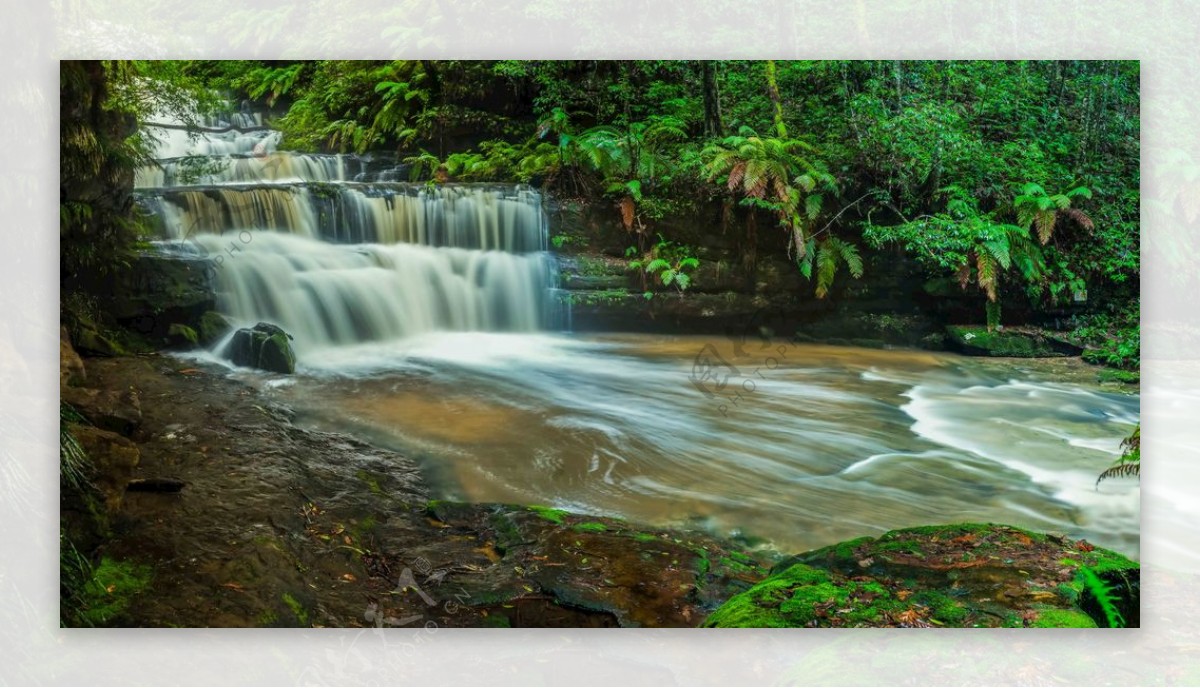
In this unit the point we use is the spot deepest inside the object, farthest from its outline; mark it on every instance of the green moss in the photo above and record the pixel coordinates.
(267, 618)
(942, 607)
(371, 482)
(212, 326)
(785, 600)
(977, 341)
(645, 537)
(364, 527)
(184, 333)
(1063, 618)
(495, 621)
(591, 527)
(298, 609)
(107, 594)
(1129, 377)
(552, 515)
(1103, 560)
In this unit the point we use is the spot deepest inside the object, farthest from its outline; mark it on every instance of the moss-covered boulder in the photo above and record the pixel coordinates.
(977, 341)
(211, 327)
(264, 346)
(963, 575)
(182, 335)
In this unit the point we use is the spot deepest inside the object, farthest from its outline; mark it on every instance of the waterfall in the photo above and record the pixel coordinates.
(328, 249)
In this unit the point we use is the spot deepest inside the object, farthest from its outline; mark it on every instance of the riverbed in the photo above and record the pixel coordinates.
(786, 445)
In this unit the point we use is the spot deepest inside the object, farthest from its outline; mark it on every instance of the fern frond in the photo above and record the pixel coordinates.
(850, 256)
(1121, 470)
(628, 206)
(1103, 593)
(736, 175)
(963, 274)
(1080, 218)
(1000, 251)
(985, 266)
(812, 205)
(827, 257)
(1045, 225)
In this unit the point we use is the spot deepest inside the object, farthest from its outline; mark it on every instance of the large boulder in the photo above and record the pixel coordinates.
(113, 459)
(264, 346)
(960, 575)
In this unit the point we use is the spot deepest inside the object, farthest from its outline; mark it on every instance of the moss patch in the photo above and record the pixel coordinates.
(1063, 618)
(551, 515)
(977, 341)
(297, 609)
(109, 591)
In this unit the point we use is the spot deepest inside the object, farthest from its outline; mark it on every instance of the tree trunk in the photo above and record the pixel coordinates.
(712, 100)
(773, 93)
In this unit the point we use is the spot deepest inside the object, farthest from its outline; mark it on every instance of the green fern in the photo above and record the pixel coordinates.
(1103, 593)
(74, 469)
(1130, 463)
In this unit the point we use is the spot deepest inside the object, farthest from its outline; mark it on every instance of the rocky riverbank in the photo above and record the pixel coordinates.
(233, 515)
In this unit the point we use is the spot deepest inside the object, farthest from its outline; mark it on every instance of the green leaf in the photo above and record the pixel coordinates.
(657, 264)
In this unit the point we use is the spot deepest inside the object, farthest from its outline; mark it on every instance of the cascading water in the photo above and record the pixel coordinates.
(334, 261)
(810, 446)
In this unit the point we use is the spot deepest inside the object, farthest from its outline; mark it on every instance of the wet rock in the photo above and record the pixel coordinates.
(119, 412)
(158, 290)
(264, 346)
(113, 458)
(70, 365)
(958, 575)
(212, 326)
(977, 341)
(533, 565)
(179, 334)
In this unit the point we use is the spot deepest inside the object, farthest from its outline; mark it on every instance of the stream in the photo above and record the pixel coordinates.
(427, 319)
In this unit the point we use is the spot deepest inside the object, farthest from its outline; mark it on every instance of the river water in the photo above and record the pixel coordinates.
(803, 446)
(427, 318)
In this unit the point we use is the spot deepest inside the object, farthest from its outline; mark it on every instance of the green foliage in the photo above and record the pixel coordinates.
(74, 467)
(1018, 177)
(1103, 594)
(1130, 462)
(296, 608)
(96, 595)
(667, 262)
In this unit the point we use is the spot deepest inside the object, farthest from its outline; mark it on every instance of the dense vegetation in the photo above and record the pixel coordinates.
(1016, 180)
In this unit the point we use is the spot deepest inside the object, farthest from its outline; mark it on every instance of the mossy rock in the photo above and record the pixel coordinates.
(182, 335)
(1126, 377)
(977, 341)
(212, 326)
(264, 346)
(602, 568)
(960, 575)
